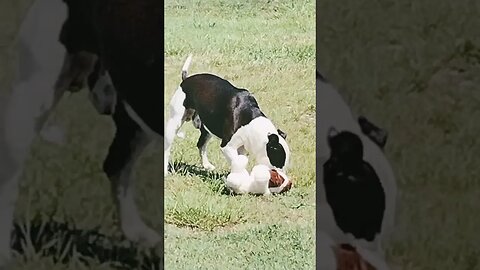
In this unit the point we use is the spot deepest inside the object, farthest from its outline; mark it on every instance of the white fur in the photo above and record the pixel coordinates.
(177, 110)
(187, 63)
(256, 182)
(241, 182)
(332, 110)
(24, 111)
(253, 137)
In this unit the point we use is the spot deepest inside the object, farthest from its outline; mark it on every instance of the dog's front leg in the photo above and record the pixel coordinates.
(128, 144)
(230, 153)
(230, 147)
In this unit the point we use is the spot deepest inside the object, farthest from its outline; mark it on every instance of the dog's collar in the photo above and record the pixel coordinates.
(282, 186)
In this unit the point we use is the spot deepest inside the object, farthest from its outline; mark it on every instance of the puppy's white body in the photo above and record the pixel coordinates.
(332, 111)
(242, 182)
(25, 109)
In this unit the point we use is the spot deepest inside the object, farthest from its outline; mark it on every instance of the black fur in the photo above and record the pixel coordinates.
(222, 109)
(275, 152)
(353, 189)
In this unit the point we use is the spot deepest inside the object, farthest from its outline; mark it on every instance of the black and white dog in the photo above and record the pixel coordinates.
(356, 190)
(60, 42)
(218, 108)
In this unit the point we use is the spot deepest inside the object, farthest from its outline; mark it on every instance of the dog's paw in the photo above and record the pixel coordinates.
(141, 233)
(208, 166)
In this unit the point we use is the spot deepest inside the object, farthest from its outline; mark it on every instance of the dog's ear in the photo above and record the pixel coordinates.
(281, 133)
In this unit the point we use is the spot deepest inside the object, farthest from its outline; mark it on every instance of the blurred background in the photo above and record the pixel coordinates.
(65, 182)
(413, 68)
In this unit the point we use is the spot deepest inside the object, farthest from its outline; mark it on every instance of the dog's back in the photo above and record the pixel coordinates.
(214, 98)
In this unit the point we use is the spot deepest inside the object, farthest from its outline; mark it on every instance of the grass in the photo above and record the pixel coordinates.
(267, 47)
(413, 69)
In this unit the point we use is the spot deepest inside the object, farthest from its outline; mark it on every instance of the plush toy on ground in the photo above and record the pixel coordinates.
(262, 179)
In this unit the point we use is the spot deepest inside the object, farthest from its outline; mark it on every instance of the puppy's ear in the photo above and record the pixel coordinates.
(281, 133)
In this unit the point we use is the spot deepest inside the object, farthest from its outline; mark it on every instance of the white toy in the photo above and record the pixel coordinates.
(257, 182)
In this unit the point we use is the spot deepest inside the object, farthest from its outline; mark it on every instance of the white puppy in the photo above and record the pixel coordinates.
(241, 182)
(262, 179)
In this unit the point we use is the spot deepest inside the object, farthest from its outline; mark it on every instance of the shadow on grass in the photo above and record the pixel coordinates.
(215, 179)
(63, 242)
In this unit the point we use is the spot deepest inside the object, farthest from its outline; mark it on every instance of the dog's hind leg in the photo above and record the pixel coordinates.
(129, 142)
(205, 136)
(175, 121)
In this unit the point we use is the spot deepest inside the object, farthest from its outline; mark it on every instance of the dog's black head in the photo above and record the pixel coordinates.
(346, 147)
(275, 151)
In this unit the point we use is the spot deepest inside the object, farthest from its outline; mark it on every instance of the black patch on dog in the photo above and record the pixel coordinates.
(353, 189)
(275, 152)
(214, 99)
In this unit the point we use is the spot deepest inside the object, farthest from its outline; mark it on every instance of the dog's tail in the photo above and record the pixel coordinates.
(185, 67)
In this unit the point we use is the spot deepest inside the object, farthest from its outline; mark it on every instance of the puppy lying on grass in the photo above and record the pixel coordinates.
(262, 180)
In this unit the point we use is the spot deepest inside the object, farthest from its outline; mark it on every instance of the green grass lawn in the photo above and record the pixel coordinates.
(267, 47)
(414, 68)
